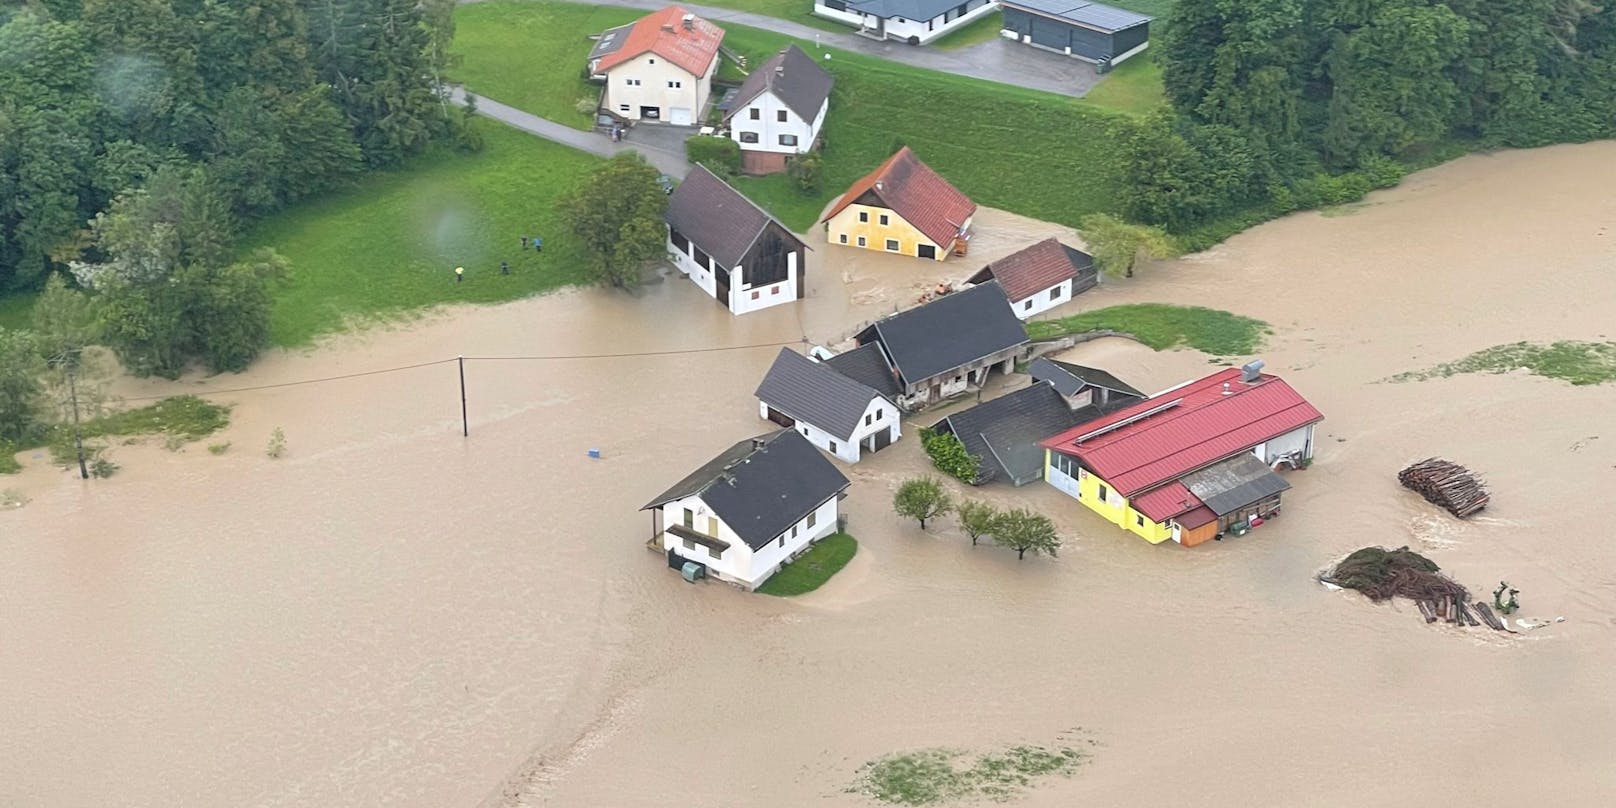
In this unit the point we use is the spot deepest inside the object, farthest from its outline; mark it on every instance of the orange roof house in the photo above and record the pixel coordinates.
(902, 207)
(659, 67)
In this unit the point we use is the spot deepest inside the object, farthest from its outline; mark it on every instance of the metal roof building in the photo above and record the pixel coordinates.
(1093, 32)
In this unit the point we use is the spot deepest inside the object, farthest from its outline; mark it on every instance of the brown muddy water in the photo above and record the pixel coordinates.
(393, 615)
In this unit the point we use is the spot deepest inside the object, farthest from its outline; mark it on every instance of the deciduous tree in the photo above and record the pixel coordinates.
(616, 213)
(21, 396)
(1118, 245)
(1022, 530)
(922, 498)
(977, 519)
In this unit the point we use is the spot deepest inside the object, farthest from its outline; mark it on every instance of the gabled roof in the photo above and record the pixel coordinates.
(1069, 379)
(1098, 16)
(950, 331)
(917, 10)
(867, 365)
(1165, 502)
(691, 50)
(1004, 432)
(761, 486)
(1189, 427)
(1036, 268)
(791, 76)
(718, 218)
(816, 394)
(910, 189)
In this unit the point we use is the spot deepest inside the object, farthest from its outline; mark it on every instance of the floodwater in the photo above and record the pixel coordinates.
(392, 614)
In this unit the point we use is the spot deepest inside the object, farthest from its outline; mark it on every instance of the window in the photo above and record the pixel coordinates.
(788, 140)
(690, 545)
(755, 295)
(715, 552)
(868, 420)
(1139, 519)
(884, 220)
(755, 114)
(774, 290)
(1105, 495)
(842, 238)
(926, 251)
(632, 82)
(749, 137)
(622, 108)
(814, 517)
(782, 539)
(879, 414)
(1054, 294)
(793, 531)
(780, 115)
(690, 520)
(1027, 306)
(712, 526)
(861, 241)
(651, 61)
(674, 85)
(832, 451)
(892, 245)
(864, 215)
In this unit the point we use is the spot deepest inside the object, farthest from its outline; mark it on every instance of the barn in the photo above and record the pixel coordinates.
(1092, 32)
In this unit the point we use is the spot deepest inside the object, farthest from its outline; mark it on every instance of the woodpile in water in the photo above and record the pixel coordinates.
(1446, 484)
(1383, 574)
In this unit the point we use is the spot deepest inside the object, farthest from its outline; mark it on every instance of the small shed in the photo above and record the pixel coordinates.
(1093, 32)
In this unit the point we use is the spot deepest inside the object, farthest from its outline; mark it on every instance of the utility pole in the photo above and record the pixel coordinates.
(465, 426)
(78, 433)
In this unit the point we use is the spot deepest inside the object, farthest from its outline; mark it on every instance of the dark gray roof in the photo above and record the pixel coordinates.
(816, 394)
(610, 40)
(1069, 378)
(918, 10)
(950, 331)
(761, 486)
(1093, 15)
(1238, 481)
(1005, 431)
(793, 77)
(718, 218)
(866, 365)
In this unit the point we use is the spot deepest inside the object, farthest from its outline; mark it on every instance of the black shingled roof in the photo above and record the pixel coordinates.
(1005, 431)
(761, 486)
(953, 330)
(1069, 378)
(716, 217)
(866, 365)
(794, 78)
(814, 393)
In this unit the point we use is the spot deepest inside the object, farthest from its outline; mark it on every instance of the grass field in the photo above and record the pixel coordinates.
(1570, 361)
(977, 32)
(813, 568)
(1162, 326)
(1135, 87)
(390, 244)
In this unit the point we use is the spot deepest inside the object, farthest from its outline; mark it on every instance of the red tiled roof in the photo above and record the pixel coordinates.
(1165, 502)
(1203, 427)
(912, 190)
(692, 50)
(1031, 270)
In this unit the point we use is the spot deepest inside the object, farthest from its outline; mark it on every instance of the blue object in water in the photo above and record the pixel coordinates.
(595, 453)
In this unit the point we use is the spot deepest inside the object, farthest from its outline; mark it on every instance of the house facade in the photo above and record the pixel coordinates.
(1040, 277)
(835, 413)
(902, 207)
(745, 513)
(659, 68)
(913, 21)
(1191, 463)
(738, 254)
(779, 110)
(1102, 35)
(949, 345)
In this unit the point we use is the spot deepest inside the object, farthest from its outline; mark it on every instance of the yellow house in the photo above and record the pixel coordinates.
(902, 207)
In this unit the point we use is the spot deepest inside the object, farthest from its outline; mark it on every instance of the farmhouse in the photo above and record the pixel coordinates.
(1084, 386)
(1092, 32)
(913, 21)
(1191, 463)
(947, 346)
(1003, 433)
(835, 413)
(729, 247)
(867, 365)
(779, 110)
(659, 68)
(902, 207)
(747, 511)
(1041, 277)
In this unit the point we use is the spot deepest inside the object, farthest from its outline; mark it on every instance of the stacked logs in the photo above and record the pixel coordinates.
(1454, 610)
(1446, 484)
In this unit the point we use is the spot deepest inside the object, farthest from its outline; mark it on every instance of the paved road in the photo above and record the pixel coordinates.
(998, 60)
(669, 162)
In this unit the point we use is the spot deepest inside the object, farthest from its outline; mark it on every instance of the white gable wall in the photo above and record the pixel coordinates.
(882, 417)
(740, 564)
(1042, 301)
(769, 128)
(653, 75)
(741, 300)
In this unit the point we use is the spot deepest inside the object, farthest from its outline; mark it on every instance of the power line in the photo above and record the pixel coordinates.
(647, 353)
(299, 382)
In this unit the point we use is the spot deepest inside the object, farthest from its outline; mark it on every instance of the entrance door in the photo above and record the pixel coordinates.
(679, 116)
(651, 113)
(721, 286)
(881, 440)
(926, 251)
(781, 418)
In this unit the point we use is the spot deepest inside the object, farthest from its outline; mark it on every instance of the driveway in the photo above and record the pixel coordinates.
(665, 150)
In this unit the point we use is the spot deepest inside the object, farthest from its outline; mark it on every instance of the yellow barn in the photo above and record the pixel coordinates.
(902, 207)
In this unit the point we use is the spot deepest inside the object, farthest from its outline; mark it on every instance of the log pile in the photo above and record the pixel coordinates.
(1446, 484)
(1382, 574)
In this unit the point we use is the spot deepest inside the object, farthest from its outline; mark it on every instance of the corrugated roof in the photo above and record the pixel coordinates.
(917, 10)
(815, 393)
(1004, 432)
(949, 331)
(1069, 379)
(1036, 268)
(1202, 427)
(761, 486)
(692, 51)
(791, 76)
(716, 217)
(1093, 15)
(867, 365)
(919, 195)
(1239, 481)
(1165, 502)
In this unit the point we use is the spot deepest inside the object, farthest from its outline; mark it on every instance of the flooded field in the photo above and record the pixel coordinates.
(394, 615)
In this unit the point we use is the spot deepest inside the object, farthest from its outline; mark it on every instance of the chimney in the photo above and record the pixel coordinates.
(878, 185)
(690, 22)
(1251, 370)
(1226, 390)
(779, 70)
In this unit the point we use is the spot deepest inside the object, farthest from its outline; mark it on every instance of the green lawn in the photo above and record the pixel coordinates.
(390, 244)
(797, 11)
(1135, 87)
(1162, 326)
(1571, 361)
(811, 570)
(16, 310)
(977, 32)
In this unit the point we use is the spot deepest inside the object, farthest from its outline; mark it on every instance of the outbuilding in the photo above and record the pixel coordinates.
(949, 345)
(1093, 32)
(1041, 277)
(745, 258)
(834, 412)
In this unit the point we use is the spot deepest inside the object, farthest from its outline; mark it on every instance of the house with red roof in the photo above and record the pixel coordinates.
(1040, 277)
(657, 68)
(1191, 463)
(902, 207)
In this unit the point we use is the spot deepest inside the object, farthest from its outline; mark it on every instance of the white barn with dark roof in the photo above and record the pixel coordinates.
(834, 412)
(779, 110)
(949, 345)
(913, 21)
(741, 256)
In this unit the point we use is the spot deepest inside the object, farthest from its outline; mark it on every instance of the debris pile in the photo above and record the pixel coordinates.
(1447, 484)
(1382, 574)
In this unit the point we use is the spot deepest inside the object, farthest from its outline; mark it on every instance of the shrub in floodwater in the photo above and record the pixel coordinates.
(930, 776)
(1570, 361)
(277, 444)
(218, 448)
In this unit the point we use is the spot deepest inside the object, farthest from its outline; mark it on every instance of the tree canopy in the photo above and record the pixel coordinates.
(922, 498)
(616, 213)
(1022, 530)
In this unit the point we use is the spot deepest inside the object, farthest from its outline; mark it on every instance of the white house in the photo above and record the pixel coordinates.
(1041, 277)
(913, 21)
(658, 68)
(778, 111)
(761, 503)
(834, 412)
(745, 258)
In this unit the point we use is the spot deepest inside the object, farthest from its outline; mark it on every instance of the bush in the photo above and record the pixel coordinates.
(807, 172)
(586, 106)
(277, 444)
(720, 155)
(950, 456)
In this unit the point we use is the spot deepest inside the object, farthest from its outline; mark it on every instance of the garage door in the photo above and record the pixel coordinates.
(679, 116)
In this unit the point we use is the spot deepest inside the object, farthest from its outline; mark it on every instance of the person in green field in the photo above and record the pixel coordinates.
(460, 274)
